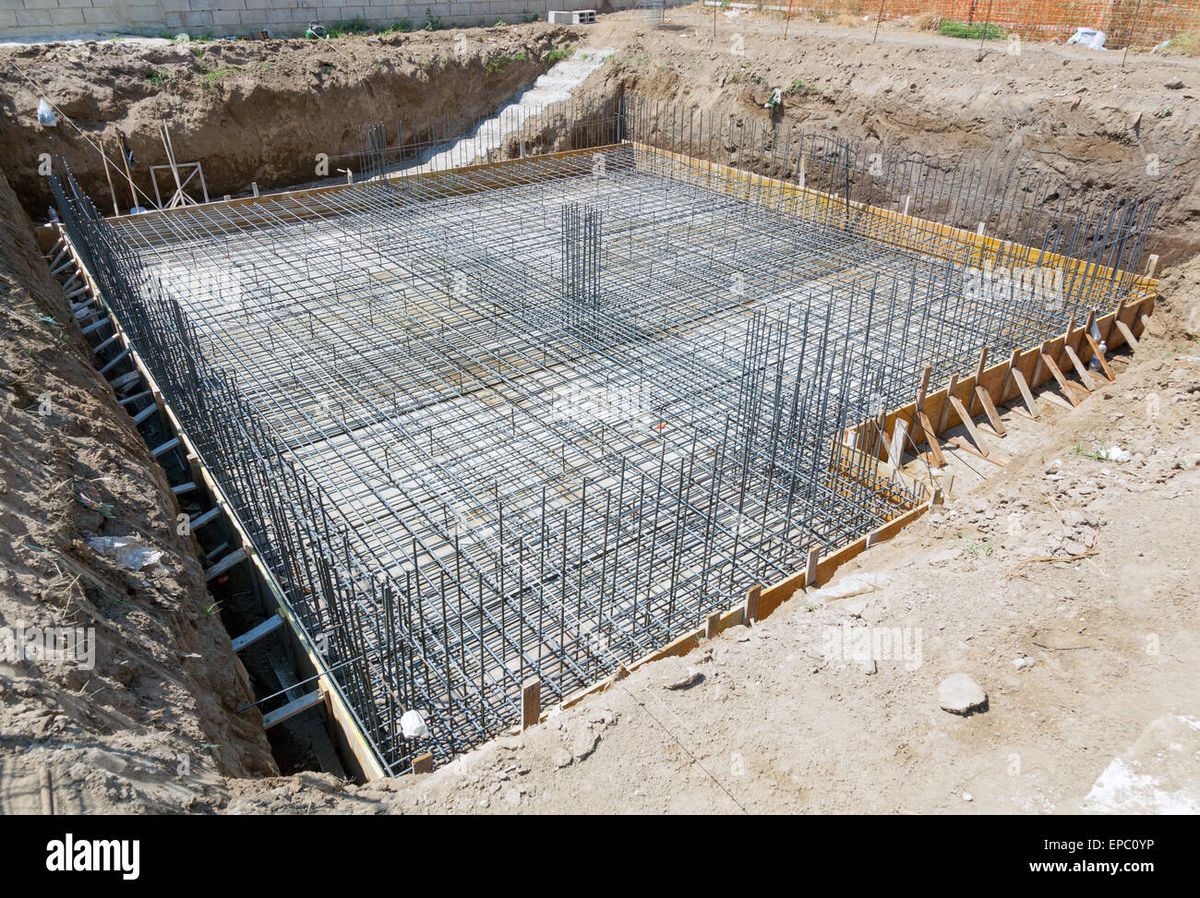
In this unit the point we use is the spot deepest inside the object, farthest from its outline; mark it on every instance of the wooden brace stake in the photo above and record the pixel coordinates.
(750, 609)
(531, 703)
(969, 424)
(1063, 384)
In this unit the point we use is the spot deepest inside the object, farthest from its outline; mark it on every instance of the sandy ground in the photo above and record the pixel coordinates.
(1079, 569)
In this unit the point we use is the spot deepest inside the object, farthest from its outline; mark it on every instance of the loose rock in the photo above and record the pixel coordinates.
(690, 678)
(959, 694)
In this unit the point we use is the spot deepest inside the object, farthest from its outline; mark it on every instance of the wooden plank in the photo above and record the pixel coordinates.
(1036, 379)
(201, 519)
(1031, 405)
(931, 438)
(1063, 384)
(235, 557)
(969, 424)
(292, 708)
(814, 556)
(979, 369)
(1055, 398)
(1125, 332)
(1100, 359)
(254, 634)
(165, 447)
(531, 703)
(750, 608)
(145, 413)
(995, 458)
(944, 417)
(712, 625)
(1085, 376)
(1107, 329)
(895, 445)
(989, 409)
(423, 764)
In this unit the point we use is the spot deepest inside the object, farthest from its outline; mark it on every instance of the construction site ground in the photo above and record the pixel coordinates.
(1063, 582)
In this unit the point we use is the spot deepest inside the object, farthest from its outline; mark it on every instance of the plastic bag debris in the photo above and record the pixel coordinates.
(127, 551)
(412, 725)
(1116, 453)
(46, 116)
(1090, 38)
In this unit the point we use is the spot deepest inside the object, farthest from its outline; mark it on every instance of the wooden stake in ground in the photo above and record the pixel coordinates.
(531, 703)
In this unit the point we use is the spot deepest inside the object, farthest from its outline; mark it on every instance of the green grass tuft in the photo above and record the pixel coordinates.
(801, 88)
(973, 31)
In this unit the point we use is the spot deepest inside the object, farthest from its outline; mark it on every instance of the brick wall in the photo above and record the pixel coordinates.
(36, 19)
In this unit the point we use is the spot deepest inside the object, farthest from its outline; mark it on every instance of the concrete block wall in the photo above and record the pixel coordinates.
(45, 19)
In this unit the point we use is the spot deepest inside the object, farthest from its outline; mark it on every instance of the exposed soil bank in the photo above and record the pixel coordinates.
(251, 111)
(155, 723)
(1071, 113)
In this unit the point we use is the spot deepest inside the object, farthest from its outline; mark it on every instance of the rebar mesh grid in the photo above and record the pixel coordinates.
(540, 418)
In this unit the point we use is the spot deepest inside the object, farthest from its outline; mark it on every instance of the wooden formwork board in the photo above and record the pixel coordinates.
(999, 384)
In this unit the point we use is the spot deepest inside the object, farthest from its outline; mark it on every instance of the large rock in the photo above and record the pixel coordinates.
(959, 694)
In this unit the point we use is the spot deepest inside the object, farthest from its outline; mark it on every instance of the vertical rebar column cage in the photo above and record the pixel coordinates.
(581, 251)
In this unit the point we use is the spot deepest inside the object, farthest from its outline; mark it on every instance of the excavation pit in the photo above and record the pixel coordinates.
(538, 418)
